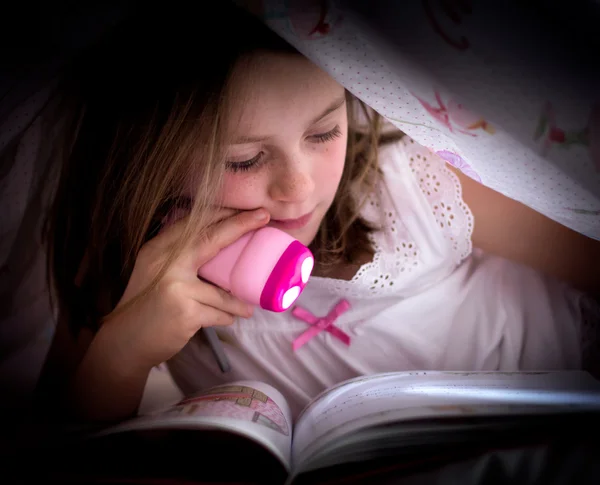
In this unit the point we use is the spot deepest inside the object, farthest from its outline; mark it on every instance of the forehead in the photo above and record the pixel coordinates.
(274, 87)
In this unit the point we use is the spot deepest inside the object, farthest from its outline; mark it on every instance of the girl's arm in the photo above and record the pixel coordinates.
(510, 229)
(102, 376)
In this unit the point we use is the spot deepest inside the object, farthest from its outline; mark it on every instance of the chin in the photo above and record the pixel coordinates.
(302, 237)
(308, 234)
(305, 236)
(307, 241)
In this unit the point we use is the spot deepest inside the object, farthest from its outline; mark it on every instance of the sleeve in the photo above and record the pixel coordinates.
(441, 189)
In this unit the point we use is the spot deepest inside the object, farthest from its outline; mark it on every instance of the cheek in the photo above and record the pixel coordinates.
(332, 166)
(241, 191)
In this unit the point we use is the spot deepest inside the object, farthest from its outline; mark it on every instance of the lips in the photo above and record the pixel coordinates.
(289, 224)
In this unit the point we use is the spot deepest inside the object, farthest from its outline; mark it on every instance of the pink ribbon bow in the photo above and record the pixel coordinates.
(320, 324)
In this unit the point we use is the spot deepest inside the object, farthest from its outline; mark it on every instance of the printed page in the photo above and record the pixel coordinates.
(374, 400)
(248, 408)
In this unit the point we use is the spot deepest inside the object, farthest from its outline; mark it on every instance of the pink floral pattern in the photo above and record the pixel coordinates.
(550, 133)
(455, 117)
(457, 162)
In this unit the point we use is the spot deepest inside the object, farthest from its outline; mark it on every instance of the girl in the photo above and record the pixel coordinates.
(183, 143)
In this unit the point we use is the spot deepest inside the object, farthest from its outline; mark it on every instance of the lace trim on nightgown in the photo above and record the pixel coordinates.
(397, 255)
(442, 188)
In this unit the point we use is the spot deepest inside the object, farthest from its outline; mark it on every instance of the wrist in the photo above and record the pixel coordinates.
(119, 356)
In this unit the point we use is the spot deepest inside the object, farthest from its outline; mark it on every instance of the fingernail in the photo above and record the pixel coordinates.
(261, 215)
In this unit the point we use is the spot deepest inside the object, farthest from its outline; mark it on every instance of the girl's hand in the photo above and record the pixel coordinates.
(159, 324)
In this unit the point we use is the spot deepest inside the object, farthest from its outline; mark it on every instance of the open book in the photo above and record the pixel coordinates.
(401, 417)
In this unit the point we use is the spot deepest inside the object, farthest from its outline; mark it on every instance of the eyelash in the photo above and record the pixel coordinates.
(254, 162)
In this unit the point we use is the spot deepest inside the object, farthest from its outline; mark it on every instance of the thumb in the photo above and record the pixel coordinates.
(224, 233)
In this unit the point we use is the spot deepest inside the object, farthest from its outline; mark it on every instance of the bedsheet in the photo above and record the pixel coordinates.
(503, 90)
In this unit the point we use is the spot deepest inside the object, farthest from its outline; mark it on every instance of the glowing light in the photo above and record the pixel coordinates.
(307, 266)
(290, 296)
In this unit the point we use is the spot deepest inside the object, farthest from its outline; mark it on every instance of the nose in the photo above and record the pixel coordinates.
(292, 181)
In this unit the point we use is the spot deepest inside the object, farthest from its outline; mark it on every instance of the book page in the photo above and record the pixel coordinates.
(393, 397)
(253, 409)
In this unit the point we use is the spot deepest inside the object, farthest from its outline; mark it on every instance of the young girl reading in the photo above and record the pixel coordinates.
(181, 143)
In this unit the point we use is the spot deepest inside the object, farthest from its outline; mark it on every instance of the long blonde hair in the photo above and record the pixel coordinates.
(148, 117)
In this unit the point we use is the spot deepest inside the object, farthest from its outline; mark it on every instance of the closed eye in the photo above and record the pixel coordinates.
(329, 136)
(256, 161)
(245, 165)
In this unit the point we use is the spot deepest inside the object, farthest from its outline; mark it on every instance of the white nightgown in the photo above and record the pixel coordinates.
(427, 301)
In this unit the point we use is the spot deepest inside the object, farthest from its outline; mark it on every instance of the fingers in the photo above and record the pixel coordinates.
(223, 234)
(241, 223)
(213, 317)
(218, 308)
(217, 298)
(221, 213)
(168, 235)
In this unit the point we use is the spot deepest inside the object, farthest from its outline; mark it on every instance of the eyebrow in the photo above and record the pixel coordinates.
(330, 109)
(334, 106)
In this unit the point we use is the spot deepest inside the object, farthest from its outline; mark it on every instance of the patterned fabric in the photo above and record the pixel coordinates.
(488, 86)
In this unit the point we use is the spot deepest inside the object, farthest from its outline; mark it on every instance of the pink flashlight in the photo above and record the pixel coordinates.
(266, 267)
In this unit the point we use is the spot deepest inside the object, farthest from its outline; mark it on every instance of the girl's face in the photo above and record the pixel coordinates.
(288, 144)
